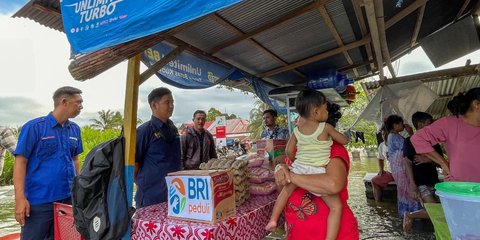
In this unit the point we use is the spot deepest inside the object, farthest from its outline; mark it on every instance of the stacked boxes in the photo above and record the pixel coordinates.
(239, 171)
(201, 195)
(275, 149)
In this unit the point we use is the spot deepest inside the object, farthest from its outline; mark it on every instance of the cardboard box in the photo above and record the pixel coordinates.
(201, 195)
(270, 143)
(275, 149)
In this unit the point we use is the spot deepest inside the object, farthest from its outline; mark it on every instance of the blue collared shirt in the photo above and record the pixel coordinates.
(278, 132)
(157, 153)
(49, 149)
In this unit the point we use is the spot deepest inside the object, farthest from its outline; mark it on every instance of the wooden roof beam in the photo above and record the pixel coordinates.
(462, 9)
(160, 64)
(336, 36)
(46, 9)
(394, 58)
(293, 14)
(460, 82)
(436, 75)
(193, 49)
(405, 12)
(363, 30)
(366, 40)
(315, 58)
(90, 65)
(395, 19)
(379, 13)
(418, 25)
(237, 31)
(372, 23)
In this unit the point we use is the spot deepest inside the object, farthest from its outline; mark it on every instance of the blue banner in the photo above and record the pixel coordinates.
(187, 70)
(91, 25)
(261, 90)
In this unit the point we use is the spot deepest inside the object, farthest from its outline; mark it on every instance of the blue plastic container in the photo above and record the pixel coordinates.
(461, 206)
(328, 79)
(322, 79)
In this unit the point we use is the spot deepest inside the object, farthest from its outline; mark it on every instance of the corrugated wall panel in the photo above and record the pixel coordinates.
(251, 14)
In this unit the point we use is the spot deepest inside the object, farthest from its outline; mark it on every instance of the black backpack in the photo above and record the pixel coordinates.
(99, 197)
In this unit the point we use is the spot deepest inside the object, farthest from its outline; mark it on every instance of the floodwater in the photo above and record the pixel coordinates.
(7, 207)
(376, 221)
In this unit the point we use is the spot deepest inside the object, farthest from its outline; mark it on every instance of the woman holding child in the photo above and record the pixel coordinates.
(307, 214)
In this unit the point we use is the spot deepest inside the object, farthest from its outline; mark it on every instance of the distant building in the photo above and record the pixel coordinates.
(236, 128)
(184, 126)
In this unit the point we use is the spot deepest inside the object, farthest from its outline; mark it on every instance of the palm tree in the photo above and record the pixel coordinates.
(107, 120)
(256, 119)
(110, 120)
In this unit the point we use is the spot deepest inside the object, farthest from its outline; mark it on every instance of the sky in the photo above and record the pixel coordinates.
(35, 59)
(34, 63)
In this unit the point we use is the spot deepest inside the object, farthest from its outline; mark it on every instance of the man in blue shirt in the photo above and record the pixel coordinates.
(46, 160)
(272, 130)
(157, 150)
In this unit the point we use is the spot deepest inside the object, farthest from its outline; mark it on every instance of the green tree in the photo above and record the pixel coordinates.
(90, 138)
(351, 113)
(107, 120)
(231, 116)
(213, 113)
(256, 119)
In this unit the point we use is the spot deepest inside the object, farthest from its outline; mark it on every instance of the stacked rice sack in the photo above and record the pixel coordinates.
(239, 172)
(260, 176)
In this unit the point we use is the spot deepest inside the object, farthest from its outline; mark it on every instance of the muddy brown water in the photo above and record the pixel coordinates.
(376, 221)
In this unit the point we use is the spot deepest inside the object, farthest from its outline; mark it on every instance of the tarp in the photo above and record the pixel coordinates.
(187, 70)
(91, 25)
(403, 99)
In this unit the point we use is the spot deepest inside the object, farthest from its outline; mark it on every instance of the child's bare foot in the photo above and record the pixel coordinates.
(407, 223)
(271, 226)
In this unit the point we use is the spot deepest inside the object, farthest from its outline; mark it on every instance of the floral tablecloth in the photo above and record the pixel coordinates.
(151, 223)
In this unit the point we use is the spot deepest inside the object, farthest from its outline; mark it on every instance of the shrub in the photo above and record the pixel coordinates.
(90, 139)
(7, 175)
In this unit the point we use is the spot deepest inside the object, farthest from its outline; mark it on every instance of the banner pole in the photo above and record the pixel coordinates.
(130, 125)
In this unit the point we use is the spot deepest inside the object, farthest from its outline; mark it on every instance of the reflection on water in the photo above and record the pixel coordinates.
(7, 216)
(376, 221)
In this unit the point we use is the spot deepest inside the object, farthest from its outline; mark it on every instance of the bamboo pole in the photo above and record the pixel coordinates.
(129, 126)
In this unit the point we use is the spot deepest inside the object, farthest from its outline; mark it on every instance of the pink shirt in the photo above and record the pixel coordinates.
(462, 142)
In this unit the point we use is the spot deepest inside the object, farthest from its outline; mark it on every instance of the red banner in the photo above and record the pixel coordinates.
(221, 132)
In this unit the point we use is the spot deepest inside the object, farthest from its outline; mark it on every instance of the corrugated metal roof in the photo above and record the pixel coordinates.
(299, 33)
(299, 38)
(37, 10)
(444, 88)
(206, 34)
(248, 57)
(249, 15)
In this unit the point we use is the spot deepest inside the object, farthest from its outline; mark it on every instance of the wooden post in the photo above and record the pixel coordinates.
(130, 126)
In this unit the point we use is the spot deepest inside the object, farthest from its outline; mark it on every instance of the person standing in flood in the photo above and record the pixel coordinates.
(460, 134)
(46, 160)
(7, 142)
(395, 156)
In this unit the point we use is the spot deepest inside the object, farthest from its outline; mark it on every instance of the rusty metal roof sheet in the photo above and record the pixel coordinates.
(446, 86)
(290, 38)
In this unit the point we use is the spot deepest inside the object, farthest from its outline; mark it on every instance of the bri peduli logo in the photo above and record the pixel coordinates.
(178, 198)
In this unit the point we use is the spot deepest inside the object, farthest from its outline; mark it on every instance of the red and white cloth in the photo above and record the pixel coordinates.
(151, 223)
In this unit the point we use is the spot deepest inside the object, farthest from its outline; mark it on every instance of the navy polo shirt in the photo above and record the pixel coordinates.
(49, 149)
(157, 154)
